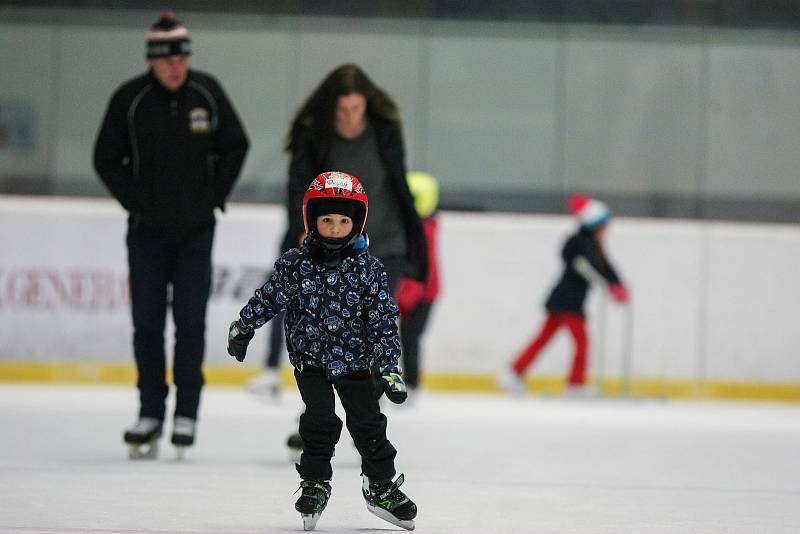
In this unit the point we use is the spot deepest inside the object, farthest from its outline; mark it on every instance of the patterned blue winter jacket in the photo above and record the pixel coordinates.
(341, 318)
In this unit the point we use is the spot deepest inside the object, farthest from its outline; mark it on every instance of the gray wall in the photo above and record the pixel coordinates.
(521, 110)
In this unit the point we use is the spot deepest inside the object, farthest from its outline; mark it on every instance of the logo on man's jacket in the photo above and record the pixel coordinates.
(199, 121)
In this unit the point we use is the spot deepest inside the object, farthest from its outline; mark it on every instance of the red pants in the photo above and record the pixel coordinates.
(577, 327)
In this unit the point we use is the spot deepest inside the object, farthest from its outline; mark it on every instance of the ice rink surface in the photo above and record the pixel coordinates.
(473, 463)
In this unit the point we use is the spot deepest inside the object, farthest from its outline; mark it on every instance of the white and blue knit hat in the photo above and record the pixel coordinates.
(590, 212)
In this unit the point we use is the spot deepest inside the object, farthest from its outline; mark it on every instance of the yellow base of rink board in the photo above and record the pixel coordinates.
(109, 373)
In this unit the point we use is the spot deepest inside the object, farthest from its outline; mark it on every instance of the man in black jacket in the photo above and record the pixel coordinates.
(169, 150)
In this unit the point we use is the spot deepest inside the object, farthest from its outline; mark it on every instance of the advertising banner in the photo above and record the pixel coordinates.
(64, 278)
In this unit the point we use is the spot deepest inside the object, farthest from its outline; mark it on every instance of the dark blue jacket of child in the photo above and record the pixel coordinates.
(340, 316)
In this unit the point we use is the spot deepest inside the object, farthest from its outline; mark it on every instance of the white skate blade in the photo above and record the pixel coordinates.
(310, 520)
(143, 451)
(407, 524)
(180, 452)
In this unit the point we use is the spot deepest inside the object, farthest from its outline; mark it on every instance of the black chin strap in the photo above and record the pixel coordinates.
(333, 244)
(330, 252)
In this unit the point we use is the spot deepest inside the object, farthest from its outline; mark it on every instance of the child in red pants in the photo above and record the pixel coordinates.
(585, 263)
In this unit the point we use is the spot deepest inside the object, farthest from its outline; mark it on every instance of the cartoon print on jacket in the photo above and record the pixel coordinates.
(340, 317)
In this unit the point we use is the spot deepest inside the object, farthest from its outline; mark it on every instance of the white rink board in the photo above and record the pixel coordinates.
(710, 300)
(84, 240)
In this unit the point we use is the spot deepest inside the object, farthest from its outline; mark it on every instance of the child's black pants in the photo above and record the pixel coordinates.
(320, 427)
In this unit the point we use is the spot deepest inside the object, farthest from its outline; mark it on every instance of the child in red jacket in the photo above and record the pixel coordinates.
(416, 298)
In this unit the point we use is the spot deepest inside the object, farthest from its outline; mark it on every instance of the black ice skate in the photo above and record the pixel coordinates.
(183, 434)
(389, 503)
(142, 438)
(312, 501)
(295, 444)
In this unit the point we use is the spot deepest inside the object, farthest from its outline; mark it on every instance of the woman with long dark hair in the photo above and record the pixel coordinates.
(349, 124)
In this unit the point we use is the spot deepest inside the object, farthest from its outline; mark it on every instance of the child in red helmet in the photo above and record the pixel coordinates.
(341, 334)
(585, 263)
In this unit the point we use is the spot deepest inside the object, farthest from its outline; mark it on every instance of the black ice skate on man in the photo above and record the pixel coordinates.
(183, 434)
(142, 438)
(341, 332)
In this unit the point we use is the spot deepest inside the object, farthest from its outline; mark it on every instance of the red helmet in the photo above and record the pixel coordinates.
(335, 188)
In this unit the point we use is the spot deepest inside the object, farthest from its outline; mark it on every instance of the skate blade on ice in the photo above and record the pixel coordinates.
(407, 524)
(180, 452)
(310, 520)
(143, 451)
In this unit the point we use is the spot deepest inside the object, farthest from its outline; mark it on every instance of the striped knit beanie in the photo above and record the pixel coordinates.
(590, 212)
(168, 37)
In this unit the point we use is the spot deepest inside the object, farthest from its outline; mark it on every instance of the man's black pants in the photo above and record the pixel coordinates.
(157, 260)
(320, 427)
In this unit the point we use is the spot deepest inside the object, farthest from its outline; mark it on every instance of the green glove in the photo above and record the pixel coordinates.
(393, 386)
